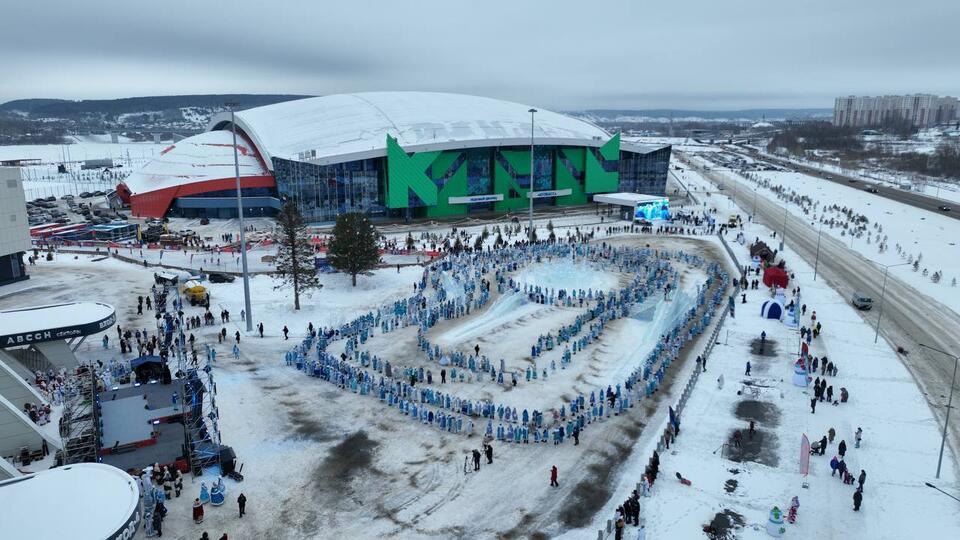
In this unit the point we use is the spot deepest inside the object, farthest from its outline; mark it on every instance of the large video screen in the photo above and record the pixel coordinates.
(653, 210)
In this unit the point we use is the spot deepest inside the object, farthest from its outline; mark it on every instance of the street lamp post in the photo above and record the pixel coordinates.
(946, 421)
(532, 176)
(783, 237)
(883, 290)
(816, 262)
(929, 485)
(243, 237)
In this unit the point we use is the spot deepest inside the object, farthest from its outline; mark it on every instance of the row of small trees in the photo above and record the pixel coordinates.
(352, 249)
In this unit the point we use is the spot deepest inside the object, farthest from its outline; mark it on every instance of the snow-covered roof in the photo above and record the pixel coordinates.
(626, 199)
(84, 500)
(207, 156)
(22, 326)
(345, 127)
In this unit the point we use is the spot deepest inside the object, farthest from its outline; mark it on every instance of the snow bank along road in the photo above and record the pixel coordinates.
(909, 318)
(911, 198)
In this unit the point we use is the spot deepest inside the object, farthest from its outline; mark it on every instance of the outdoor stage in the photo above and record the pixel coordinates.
(142, 425)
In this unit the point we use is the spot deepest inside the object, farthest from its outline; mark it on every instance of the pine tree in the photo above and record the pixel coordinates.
(294, 263)
(411, 243)
(478, 243)
(353, 247)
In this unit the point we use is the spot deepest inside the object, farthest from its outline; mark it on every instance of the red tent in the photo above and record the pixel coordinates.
(774, 276)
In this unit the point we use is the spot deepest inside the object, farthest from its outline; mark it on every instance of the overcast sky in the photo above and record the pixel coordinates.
(692, 54)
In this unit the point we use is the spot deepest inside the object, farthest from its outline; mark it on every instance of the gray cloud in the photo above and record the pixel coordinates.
(563, 54)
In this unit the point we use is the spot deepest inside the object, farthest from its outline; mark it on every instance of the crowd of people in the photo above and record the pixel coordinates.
(449, 288)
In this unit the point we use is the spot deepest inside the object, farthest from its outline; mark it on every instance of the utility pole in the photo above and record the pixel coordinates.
(883, 290)
(946, 421)
(243, 237)
(816, 262)
(532, 176)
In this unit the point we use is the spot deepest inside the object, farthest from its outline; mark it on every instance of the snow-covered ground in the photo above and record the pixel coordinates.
(320, 462)
(918, 233)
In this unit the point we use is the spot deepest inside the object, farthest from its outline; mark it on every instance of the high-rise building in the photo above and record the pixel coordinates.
(14, 231)
(920, 110)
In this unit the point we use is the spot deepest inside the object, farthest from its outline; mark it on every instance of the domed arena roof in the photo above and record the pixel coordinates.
(200, 158)
(345, 127)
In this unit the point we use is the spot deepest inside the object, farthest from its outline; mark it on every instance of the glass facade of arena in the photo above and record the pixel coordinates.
(460, 182)
(645, 173)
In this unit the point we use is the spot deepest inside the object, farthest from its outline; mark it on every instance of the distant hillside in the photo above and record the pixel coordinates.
(48, 121)
(654, 115)
(51, 108)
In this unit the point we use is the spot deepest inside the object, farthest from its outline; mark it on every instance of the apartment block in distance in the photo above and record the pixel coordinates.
(921, 110)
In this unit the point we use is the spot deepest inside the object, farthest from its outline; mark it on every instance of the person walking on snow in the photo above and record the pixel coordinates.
(842, 449)
(813, 405)
(242, 503)
(823, 445)
(857, 437)
(476, 459)
(553, 477)
(260, 328)
(861, 479)
(857, 500)
(747, 373)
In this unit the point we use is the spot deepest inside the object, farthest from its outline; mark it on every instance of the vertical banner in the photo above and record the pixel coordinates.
(804, 455)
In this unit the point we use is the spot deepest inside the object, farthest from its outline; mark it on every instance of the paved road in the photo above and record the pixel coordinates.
(909, 317)
(910, 198)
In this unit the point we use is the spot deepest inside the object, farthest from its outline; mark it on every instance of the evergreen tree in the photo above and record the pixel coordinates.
(478, 243)
(353, 247)
(294, 263)
(411, 243)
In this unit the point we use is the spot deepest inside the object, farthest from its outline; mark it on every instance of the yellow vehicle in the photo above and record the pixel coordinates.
(195, 292)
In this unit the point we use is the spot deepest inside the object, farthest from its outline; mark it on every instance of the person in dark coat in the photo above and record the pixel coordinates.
(857, 499)
(488, 449)
(242, 502)
(823, 445)
(158, 523)
(861, 479)
(813, 405)
(842, 449)
(476, 459)
(553, 477)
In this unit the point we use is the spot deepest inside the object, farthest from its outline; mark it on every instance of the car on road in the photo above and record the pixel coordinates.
(871, 189)
(852, 180)
(828, 176)
(943, 208)
(218, 277)
(861, 301)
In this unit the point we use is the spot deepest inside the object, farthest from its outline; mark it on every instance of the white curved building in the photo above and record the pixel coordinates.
(393, 154)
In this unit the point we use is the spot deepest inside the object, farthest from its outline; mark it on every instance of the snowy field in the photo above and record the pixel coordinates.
(320, 462)
(918, 233)
(301, 440)
(900, 440)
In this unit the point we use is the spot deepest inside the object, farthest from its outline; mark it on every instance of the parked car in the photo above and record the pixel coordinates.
(943, 208)
(98, 193)
(85, 195)
(861, 301)
(217, 277)
(51, 199)
(852, 180)
(871, 189)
